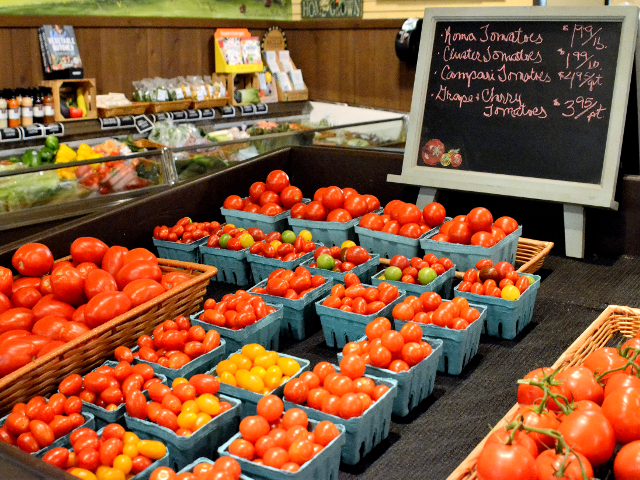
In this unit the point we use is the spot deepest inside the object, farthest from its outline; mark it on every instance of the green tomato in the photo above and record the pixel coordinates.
(531, 278)
(426, 275)
(325, 261)
(288, 236)
(510, 292)
(223, 240)
(393, 273)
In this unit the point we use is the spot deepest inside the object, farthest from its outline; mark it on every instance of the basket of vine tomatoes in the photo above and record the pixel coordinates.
(419, 275)
(466, 239)
(336, 262)
(399, 228)
(111, 452)
(296, 291)
(405, 356)
(268, 205)
(253, 372)
(181, 241)
(190, 417)
(227, 249)
(333, 214)
(456, 322)
(361, 402)
(345, 313)
(241, 318)
(276, 444)
(508, 296)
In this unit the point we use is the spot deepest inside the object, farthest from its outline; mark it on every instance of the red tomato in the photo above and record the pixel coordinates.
(480, 220)
(332, 198)
(483, 239)
(136, 270)
(500, 461)
(6, 281)
(106, 306)
(68, 285)
(99, 281)
(433, 214)
(627, 463)
(622, 409)
(173, 279)
(49, 305)
(549, 463)
(88, 249)
(33, 260)
(17, 352)
(233, 202)
(277, 181)
(51, 327)
(591, 434)
(256, 189)
(16, 319)
(22, 298)
(460, 232)
(410, 230)
(602, 360)
(372, 221)
(136, 405)
(142, 290)
(356, 205)
(339, 215)
(506, 224)
(113, 260)
(290, 196)
(581, 384)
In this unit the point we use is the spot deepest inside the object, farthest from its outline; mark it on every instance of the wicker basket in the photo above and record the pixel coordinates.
(171, 106)
(136, 108)
(42, 376)
(614, 321)
(531, 253)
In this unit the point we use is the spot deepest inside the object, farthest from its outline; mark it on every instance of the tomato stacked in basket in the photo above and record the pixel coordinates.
(568, 422)
(340, 259)
(267, 198)
(355, 297)
(429, 308)
(114, 454)
(236, 310)
(235, 238)
(501, 280)
(55, 303)
(405, 219)
(290, 284)
(224, 468)
(419, 270)
(280, 439)
(346, 393)
(476, 228)
(185, 231)
(335, 204)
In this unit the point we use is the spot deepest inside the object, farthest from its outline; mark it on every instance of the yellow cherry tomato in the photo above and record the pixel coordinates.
(265, 361)
(187, 420)
(178, 381)
(202, 420)
(306, 234)
(510, 292)
(259, 371)
(246, 240)
(83, 473)
(123, 463)
(253, 351)
(275, 244)
(190, 406)
(251, 382)
(288, 365)
(230, 225)
(208, 404)
(284, 379)
(101, 471)
(130, 449)
(243, 362)
(241, 229)
(226, 366)
(347, 244)
(228, 378)
(265, 391)
(130, 437)
(153, 449)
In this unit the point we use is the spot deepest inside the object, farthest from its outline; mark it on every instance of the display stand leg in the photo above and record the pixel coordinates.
(426, 195)
(574, 230)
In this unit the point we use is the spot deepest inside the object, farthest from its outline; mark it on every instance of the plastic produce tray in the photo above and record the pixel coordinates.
(89, 422)
(261, 266)
(466, 256)
(202, 443)
(364, 271)
(250, 399)
(300, 319)
(266, 331)
(341, 327)
(459, 346)
(323, 466)
(440, 285)
(328, 233)
(232, 265)
(277, 223)
(195, 366)
(414, 385)
(363, 433)
(506, 318)
(183, 252)
(103, 416)
(189, 468)
(388, 244)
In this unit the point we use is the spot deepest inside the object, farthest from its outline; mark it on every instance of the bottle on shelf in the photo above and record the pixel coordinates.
(27, 108)
(49, 112)
(4, 110)
(38, 106)
(14, 109)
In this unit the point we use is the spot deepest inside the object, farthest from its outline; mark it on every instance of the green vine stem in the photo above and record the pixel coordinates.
(545, 384)
(631, 362)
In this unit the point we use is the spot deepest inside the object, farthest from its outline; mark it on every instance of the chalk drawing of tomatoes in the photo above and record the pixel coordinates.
(432, 152)
(456, 158)
(445, 159)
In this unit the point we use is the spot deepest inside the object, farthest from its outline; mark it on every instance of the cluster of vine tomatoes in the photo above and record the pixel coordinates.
(570, 420)
(405, 219)
(114, 454)
(501, 280)
(235, 310)
(290, 284)
(354, 297)
(185, 231)
(224, 468)
(280, 439)
(335, 204)
(429, 308)
(267, 198)
(346, 393)
(476, 228)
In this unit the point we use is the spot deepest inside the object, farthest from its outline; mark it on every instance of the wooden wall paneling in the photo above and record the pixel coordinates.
(330, 72)
(90, 45)
(154, 52)
(351, 46)
(365, 64)
(9, 64)
(303, 47)
(123, 59)
(22, 40)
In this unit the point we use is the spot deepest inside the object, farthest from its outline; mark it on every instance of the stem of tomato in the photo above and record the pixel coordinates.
(548, 395)
(630, 362)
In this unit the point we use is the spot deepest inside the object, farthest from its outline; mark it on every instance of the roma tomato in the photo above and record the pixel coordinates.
(51, 327)
(106, 306)
(136, 270)
(173, 279)
(17, 352)
(68, 285)
(142, 290)
(22, 298)
(98, 281)
(88, 249)
(6, 281)
(113, 260)
(33, 260)
(16, 319)
(49, 305)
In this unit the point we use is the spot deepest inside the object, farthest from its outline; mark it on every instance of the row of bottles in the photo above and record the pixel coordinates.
(26, 106)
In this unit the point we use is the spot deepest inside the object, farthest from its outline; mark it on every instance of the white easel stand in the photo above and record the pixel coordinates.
(426, 195)
(573, 230)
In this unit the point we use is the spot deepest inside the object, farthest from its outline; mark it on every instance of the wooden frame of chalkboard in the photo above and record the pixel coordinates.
(416, 170)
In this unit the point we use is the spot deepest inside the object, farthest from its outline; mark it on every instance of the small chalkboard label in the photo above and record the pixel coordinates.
(228, 111)
(180, 116)
(109, 123)
(261, 109)
(193, 114)
(162, 116)
(247, 110)
(143, 124)
(127, 121)
(9, 134)
(207, 113)
(56, 129)
(32, 131)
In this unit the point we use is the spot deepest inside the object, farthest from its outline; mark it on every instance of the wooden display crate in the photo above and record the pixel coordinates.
(616, 322)
(136, 108)
(170, 106)
(248, 80)
(90, 96)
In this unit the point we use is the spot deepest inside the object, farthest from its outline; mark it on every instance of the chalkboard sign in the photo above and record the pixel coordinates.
(522, 101)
